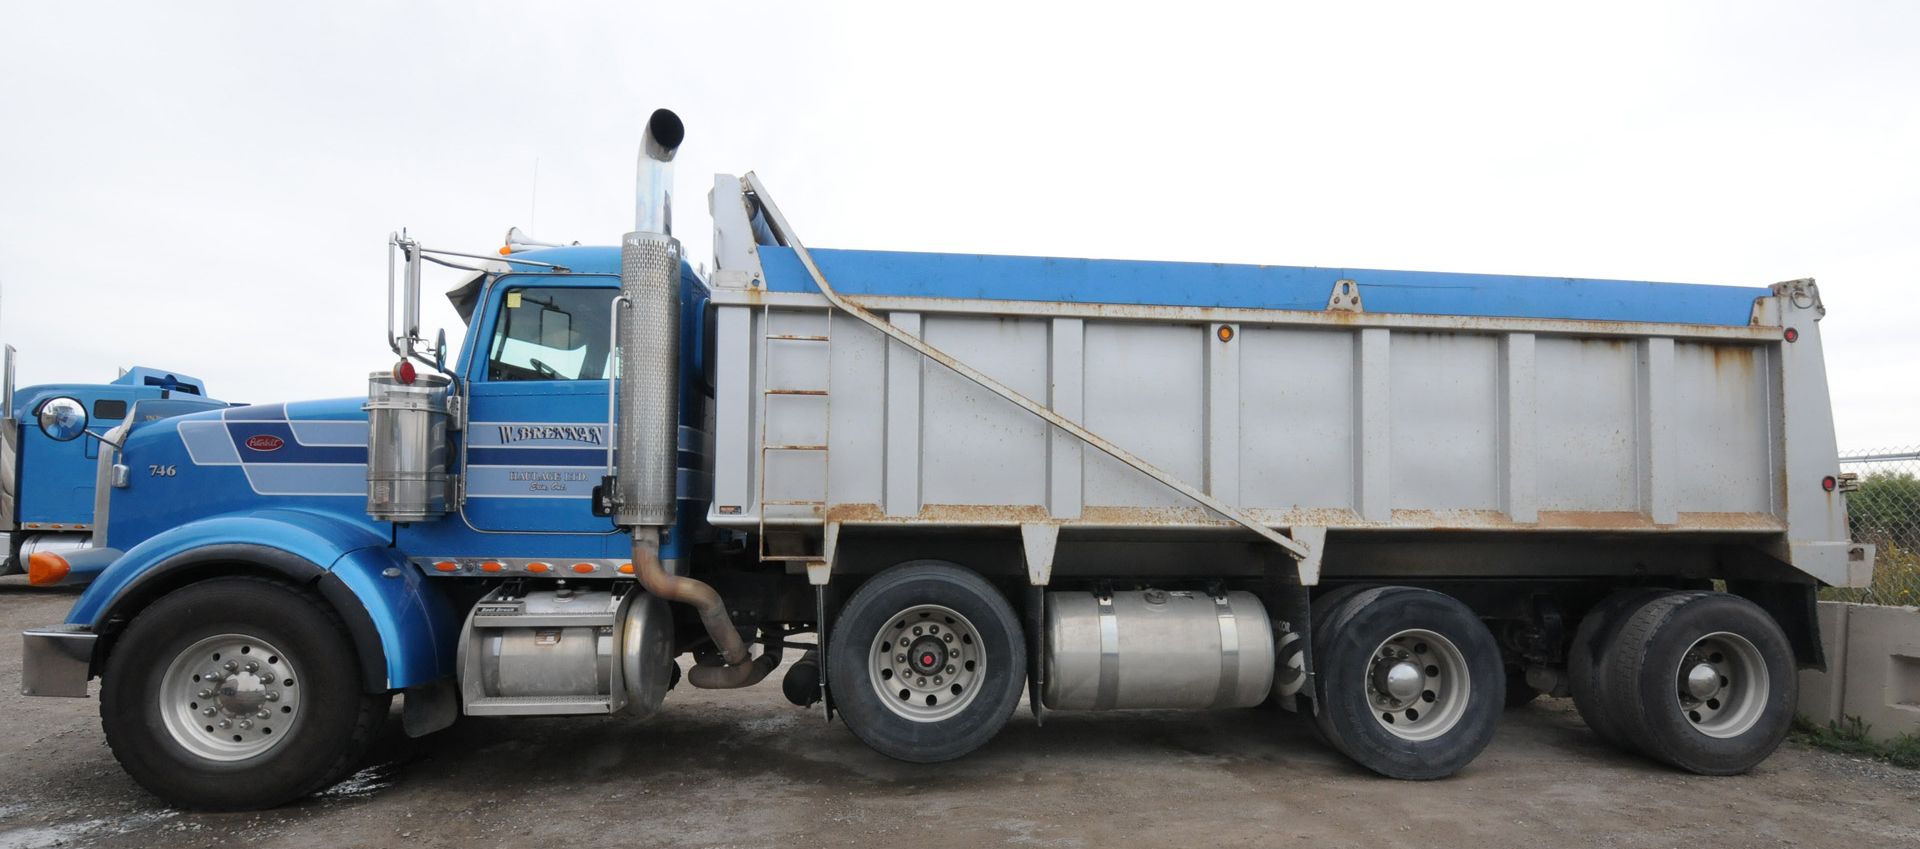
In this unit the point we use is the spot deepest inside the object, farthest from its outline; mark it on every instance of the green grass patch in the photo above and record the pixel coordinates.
(1849, 736)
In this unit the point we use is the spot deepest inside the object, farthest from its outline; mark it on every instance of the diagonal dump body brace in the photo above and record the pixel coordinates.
(1307, 557)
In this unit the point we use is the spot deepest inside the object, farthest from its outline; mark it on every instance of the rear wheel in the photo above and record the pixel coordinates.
(927, 662)
(236, 693)
(1590, 653)
(1703, 681)
(1410, 683)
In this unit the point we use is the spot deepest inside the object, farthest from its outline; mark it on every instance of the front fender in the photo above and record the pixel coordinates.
(396, 619)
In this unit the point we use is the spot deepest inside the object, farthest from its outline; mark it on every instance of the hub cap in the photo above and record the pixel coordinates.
(925, 663)
(1722, 684)
(1417, 684)
(229, 697)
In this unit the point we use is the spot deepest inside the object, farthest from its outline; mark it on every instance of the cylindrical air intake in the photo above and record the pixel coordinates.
(649, 339)
(406, 447)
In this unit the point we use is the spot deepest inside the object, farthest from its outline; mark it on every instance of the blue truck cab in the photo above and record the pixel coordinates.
(47, 487)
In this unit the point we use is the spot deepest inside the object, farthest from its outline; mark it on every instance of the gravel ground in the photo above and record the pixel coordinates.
(747, 769)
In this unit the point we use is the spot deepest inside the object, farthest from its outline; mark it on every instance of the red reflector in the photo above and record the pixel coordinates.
(405, 373)
(1828, 483)
(1792, 335)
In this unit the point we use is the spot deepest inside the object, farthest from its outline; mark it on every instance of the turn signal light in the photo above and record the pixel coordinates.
(506, 250)
(46, 567)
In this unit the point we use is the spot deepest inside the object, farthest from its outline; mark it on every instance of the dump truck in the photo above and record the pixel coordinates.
(1389, 502)
(47, 488)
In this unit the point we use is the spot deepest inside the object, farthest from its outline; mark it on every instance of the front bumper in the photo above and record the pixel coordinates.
(56, 661)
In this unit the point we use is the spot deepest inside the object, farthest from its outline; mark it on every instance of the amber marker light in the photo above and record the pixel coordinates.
(46, 567)
(491, 566)
(583, 568)
(538, 568)
(447, 566)
(626, 568)
(1225, 333)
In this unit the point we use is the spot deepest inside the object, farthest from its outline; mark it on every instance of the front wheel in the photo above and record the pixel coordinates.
(926, 662)
(236, 694)
(1410, 683)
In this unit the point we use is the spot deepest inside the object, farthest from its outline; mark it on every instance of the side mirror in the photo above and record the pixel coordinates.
(63, 419)
(440, 350)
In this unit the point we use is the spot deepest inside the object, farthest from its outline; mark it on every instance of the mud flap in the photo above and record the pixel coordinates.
(1036, 651)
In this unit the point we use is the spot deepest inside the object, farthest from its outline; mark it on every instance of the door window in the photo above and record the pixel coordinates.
(551, 334)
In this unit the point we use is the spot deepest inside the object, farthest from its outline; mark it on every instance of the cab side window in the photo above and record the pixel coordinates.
(551, 334)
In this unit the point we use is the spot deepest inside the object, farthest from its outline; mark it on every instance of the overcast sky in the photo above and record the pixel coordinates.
(207, 187)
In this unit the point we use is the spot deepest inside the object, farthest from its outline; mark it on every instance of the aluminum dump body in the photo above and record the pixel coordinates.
(1343, 399)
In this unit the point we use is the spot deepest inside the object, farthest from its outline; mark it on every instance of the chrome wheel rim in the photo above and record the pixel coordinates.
(230, 697)
(926, 662)
(1417, 684)
(1722, 682)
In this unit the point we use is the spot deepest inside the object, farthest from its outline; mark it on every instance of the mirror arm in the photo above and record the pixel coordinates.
(117, 446)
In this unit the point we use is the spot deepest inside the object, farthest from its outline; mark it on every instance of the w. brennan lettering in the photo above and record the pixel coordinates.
(587, 434)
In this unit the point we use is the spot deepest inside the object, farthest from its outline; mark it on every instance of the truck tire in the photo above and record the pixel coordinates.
(276, 670)
(1410, 683)
(927, 662)
(1703, 681)
(1588, 655)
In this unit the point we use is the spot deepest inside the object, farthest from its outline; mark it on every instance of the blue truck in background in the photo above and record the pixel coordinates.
(47, 488)
(1391, 502)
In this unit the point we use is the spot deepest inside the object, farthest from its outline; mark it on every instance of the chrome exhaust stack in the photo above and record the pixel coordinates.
(649, 339)
(648, 420)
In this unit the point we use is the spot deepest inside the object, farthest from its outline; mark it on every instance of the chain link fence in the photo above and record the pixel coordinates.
(1885, 511)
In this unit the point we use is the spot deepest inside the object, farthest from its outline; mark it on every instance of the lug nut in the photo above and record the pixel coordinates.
(225, 723)
(899, 658)
(273, 695)
(253, 667)
(948, 638)
(206, 711)
(205, 694)
(231, 666)
(246, 724)
(949, 669)
(264, 714)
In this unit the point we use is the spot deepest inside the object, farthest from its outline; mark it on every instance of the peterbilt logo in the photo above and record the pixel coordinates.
(265, 442)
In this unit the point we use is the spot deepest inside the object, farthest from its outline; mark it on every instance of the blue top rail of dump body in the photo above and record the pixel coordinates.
(1274, 287)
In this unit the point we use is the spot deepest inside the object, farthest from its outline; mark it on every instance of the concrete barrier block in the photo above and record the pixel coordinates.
(1821, 693)
(1882, 672)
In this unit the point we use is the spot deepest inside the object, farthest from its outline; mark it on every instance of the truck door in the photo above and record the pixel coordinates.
(537, 437)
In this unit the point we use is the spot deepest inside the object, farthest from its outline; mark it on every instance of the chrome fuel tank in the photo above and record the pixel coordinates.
(1156, 649)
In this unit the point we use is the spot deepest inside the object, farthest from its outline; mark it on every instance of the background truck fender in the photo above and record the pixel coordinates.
(396, 622)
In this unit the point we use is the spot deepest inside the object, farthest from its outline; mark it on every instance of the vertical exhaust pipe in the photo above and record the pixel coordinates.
(649, 404)
(649, 338)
